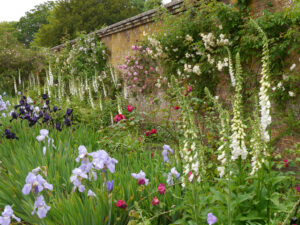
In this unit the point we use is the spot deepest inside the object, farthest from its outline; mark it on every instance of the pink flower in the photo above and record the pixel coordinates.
(119, 117)
(151, 69)
(129, 108)
(146, 72)
(121, 204)
(124, 66)
(190, 88)
(135, 74)
(133, 47)
(135, 79)
(176, 107)
(161, 188)
(298, 188)
(155, 201)
(286, 162)
(153, 131)
(136, 62)
(127, 57)
(147, 133)
(141, 181)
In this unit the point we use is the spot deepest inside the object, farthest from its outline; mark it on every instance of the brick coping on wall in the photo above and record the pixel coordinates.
(142, 18)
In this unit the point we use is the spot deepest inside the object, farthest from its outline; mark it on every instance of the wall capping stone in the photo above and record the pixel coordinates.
(138, 20)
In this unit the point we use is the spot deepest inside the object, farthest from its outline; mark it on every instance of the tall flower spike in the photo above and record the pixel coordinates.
(238, 127)
(231, 70)
(264, 100)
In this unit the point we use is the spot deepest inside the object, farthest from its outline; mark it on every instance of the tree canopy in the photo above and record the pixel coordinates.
(29, 24)
(71, 17)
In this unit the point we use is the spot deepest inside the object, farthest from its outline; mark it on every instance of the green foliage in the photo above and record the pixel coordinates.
(69, 18)
(14, 57)
(29, 24)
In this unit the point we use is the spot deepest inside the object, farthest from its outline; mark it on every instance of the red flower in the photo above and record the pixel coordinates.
(190, 88)
(121, 204)
(152, 154)
(119, 117)
(147, 133)
(129, 108)
(141, 181)
(155, 201)
(286, 162)
(161, 188)
(176, 107)
(153, 131)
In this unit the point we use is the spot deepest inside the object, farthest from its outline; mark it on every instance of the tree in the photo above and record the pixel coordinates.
(152, 4)
(14, 56)
(29, 24)
(71, 17)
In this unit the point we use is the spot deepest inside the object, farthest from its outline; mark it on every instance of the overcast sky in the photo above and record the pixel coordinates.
(13, 10)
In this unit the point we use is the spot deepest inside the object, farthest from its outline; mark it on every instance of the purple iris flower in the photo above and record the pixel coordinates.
(171, 175)
(211, 218)
(167, 149)
(69, 112)
(44, 96)
(101, 160)
(7, 214)
(58, 127)
(40, 207)
(35, 182)
(47, 102)
(54, 108)
(109, 185)
(10, 135)
(67, 122)
(14, 115)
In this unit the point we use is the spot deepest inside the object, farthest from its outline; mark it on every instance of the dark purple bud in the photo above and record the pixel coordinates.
(47, 102)
(54, 108)
(44, 96)
(67, 122)
(69, 112)
(58, 126)
(40, 114)
(109, 185)
(14, 115)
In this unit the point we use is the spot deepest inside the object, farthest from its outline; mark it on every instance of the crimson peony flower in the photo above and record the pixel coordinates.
(152, 154)
(141, 182)
(121, 204)
(129, 108)
(153, 131)
(286, 162)
(155, 201)
(176, 107)
(161, 188)
(119, 117)
(147, 133)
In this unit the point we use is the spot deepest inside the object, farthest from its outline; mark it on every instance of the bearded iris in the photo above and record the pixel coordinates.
(7, 215)
(167, 149)
(35, 183)
(171, 175)
(141, 177)
(40, 207)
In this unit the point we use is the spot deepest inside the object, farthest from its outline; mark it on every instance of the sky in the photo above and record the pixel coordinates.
(13, 10)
